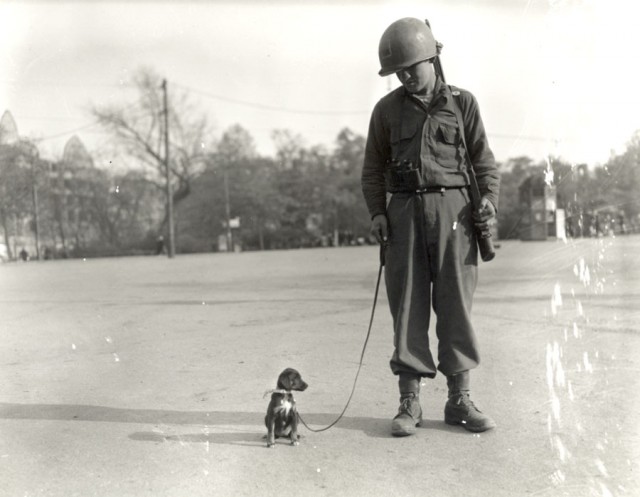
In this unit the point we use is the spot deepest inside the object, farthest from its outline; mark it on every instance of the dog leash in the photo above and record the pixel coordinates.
(364, 348)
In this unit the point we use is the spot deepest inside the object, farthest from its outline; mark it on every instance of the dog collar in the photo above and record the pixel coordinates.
(276, 390)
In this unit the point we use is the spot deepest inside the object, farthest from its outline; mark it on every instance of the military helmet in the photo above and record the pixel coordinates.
(405, 43)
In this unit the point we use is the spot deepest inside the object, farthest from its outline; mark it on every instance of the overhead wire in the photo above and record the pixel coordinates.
(274, 108)
(64, 133)
(88, 125)
(247, 103)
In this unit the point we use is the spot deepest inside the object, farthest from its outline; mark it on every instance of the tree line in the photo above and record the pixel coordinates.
(225, 193)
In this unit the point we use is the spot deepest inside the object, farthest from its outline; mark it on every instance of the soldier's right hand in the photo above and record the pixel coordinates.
(380, 228)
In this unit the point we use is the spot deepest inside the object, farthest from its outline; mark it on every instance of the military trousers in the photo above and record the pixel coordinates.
(432, 263)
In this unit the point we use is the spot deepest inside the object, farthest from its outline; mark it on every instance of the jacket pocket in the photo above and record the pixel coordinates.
(448, 133)
(405, 141)
(445, 146)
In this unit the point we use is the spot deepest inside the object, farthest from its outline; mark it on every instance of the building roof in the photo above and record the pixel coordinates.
(8, 129)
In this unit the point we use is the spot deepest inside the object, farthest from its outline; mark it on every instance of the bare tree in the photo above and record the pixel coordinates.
(137, 129)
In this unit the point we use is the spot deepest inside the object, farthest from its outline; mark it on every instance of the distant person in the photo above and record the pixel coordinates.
(160, 248)
(24, 255)
(621, 224)
(414, 155)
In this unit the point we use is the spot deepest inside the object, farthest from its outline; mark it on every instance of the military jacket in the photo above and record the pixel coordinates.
(404, 129)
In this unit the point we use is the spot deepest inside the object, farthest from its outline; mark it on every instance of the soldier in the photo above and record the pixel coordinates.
(413, 157)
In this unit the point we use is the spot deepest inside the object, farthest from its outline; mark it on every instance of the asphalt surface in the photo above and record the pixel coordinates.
(145, 376)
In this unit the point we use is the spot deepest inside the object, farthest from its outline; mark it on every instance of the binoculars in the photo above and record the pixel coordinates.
(403, 176)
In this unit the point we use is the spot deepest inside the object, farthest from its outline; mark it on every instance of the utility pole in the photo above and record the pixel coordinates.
(172, 247)
(35, 163)
(227, 209)
(36, 217)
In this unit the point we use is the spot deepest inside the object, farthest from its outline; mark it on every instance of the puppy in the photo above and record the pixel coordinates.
(282, 417)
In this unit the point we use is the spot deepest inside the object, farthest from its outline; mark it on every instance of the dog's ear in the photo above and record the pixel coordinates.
(285, 380)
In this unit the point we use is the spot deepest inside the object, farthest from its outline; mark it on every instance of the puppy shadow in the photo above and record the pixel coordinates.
(249, 439)
(317, 422)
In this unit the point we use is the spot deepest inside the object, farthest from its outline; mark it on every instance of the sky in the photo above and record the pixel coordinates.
(554, 77)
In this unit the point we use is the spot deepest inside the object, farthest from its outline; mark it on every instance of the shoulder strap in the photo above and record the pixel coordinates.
(473, 182)
(456, 109)
(485, 245)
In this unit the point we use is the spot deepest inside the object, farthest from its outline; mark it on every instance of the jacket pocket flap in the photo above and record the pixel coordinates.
(449, 133)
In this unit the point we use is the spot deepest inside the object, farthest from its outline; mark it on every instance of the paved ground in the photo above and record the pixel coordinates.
(145, 376)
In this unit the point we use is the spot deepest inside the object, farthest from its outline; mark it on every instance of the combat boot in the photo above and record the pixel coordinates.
(410, 413)
(460, 410)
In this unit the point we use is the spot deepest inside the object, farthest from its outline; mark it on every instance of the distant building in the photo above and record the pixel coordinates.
(63, 189)
(541, 218)
(76, 154)
(72, 192)
(18, 153)
(8, 129)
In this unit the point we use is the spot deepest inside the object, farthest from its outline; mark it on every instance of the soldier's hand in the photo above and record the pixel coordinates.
(485, 215)
(380, 228)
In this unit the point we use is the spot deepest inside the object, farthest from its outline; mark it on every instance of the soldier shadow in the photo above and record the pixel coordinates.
(243, 428)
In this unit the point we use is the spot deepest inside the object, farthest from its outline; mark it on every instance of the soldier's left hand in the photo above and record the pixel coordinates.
(485, 216)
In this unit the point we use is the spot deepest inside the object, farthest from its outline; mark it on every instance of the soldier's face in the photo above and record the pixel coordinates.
(418, 78)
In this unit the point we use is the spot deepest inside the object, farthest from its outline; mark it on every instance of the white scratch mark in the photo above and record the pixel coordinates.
(556, 299)
(601, 467)
(555, 408)
(563, 453)
(558, 477)
(587, 364)
(570, 391)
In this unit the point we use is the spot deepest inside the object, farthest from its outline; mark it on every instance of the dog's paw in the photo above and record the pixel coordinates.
(270, 445)
(295, 442)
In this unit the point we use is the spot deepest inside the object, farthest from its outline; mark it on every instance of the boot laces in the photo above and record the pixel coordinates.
(406, 405)
(465, 400)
